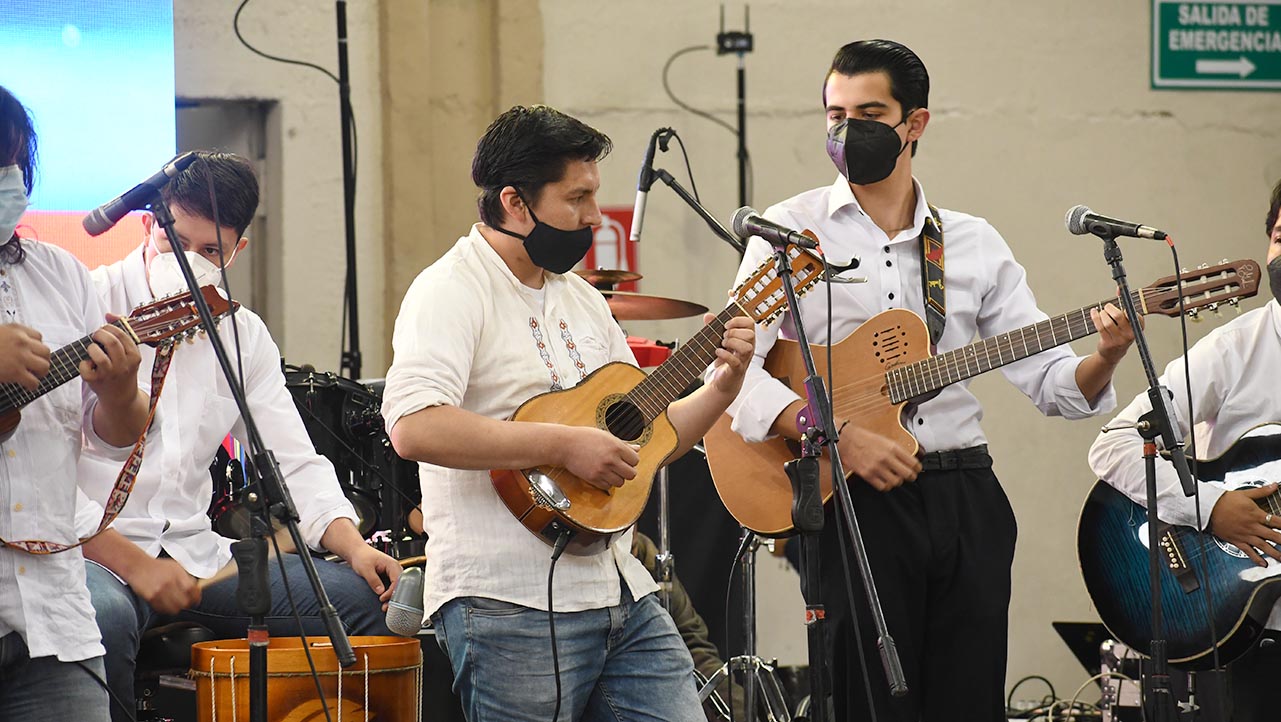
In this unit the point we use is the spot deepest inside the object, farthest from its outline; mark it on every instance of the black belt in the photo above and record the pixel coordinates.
(975, 457)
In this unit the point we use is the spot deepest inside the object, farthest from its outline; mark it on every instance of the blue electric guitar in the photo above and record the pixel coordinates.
(1112, 542)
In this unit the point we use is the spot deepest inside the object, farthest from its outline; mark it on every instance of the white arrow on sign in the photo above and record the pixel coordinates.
(1241, 66)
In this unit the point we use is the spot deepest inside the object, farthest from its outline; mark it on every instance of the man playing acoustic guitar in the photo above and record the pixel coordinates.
(940, 548)
(1233, 391)
(496, 321)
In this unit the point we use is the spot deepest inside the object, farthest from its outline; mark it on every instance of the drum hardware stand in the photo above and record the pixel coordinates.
(755, 671)
(819, 430)
(664, 564)
(1159, 702)
(265, 495)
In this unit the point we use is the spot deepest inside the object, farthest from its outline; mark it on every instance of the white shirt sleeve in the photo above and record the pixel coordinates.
(1047, 378)
(311, 479)
(433, 345)
(1117, 456)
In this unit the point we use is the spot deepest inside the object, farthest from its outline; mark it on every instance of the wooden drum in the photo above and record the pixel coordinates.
(385, 683)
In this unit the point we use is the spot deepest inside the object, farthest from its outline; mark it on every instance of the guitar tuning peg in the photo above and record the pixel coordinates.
(1183, 270)
(1223, 262)
(1235, 303)
(1203, 266)
(1214, 306)
(1195, 315)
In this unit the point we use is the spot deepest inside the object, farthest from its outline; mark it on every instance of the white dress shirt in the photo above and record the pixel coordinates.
(43, 597)
(470, 335)
(1234, 389)
(986, 294)
(167, 509)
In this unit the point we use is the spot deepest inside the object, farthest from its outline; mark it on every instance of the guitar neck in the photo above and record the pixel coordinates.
(936, 372)
(653, 395)
(64, 365)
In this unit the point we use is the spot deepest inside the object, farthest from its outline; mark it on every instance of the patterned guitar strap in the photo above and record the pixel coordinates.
(124, 481)
(932, 277)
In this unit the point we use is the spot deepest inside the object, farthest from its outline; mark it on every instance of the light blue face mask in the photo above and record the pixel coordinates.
(13, 200)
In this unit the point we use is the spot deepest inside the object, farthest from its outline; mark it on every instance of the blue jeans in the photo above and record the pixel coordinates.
(619, 663)
(123, 616)
(47, 690)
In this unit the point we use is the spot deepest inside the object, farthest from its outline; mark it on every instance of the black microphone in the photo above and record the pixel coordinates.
(405, 609)
(1080, 220)
(747, 222)
(138, 197)
(644, 183)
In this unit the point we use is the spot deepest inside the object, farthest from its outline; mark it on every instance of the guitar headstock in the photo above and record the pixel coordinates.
(1204, 287)
(761, 294)
(174, 318)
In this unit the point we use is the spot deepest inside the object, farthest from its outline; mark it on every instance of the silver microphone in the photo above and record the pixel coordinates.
(405, 610)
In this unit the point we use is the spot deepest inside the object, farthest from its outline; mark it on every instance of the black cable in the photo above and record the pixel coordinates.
(222, 266)
(302, 633)
(1206, 594)
(348, 117)
(235, 26)
(667, 88)
(561, 542)
(1009, 698)
(689, 170)
(131, 714)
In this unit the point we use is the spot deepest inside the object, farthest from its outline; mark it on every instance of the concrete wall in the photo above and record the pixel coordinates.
(306, 264)
(1037, 107)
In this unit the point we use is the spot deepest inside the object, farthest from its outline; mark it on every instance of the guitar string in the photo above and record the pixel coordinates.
(951, 361)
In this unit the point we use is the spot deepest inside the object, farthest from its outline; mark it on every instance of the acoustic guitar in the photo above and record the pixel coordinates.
(621, 399)
(1112, 545)
(886, 364)
(168, 320)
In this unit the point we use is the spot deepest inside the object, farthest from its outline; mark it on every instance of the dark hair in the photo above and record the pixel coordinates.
(234, 182)
(909, 80)
(1274, 209)
(527, 148)
(17, 146)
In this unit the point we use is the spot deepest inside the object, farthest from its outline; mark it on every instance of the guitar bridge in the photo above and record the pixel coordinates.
(545, 491)
(1172, 554)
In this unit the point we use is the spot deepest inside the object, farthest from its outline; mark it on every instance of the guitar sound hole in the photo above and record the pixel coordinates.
(625, 421)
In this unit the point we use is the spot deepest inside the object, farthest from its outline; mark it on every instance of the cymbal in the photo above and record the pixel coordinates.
(607, 276)
(628, 306)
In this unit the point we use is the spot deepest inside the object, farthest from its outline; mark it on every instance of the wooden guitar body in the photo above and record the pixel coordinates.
(750, 477)
(591, 513)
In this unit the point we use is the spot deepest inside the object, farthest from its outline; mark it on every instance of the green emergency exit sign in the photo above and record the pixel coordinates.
(1216, 45)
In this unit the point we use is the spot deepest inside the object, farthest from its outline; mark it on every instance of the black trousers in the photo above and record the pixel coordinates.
(940, 550)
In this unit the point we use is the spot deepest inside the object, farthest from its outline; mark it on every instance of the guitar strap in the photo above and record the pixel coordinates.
(128, 474)
(932, 291)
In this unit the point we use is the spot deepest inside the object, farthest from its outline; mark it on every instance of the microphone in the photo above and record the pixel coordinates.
(109, 214)
(1080, 220)
(405, 609)
(747, 222)
(644, 183)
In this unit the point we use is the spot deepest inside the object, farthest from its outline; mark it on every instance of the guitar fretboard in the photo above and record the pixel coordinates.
(934, 373)
(653, 395)
(64, 365)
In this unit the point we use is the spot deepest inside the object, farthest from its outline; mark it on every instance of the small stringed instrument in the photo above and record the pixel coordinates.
(621, 399)
(1112, 545)
(886, 363)
(166, 321)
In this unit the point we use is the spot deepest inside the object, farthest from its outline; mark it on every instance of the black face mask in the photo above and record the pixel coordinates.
(864, 151)
(551, 248)
(1274, 278)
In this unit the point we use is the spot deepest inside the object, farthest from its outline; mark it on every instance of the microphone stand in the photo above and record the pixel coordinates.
(351, 360)
(265, 496)
(721, 231)
(1160, 706)
(820, 430)
(739, 43)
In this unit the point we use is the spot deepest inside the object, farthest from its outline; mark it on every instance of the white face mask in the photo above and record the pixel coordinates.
(165, 277)
(13, 200)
